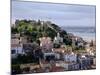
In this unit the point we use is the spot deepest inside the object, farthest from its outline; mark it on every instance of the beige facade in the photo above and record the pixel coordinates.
(46, 43)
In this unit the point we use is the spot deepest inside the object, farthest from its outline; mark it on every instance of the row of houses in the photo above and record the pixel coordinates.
(57, 66)
(45, 42)
(17, 47)
(17, 42)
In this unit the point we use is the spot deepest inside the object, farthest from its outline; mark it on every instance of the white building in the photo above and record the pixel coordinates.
(63, 64)
(16, 45)
(80, 44)
(58, 39)
(68, 66)
(57, 56)
(70, 57)
(16, 49)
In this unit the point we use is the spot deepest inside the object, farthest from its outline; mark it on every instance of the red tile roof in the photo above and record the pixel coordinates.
(56, 69)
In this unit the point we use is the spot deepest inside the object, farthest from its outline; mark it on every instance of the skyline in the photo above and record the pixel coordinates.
(60, 14)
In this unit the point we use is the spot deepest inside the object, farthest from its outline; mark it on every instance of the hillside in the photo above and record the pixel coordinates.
(36, 29)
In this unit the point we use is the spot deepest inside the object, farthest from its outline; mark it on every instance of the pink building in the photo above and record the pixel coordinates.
(46, 43)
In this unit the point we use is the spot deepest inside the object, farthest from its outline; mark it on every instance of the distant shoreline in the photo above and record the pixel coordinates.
(85, 38)
(87, 33)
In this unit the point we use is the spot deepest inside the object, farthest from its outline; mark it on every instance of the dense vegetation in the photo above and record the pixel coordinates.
(36, 29)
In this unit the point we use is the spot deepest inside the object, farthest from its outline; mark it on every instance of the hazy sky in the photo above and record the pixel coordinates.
(61, 14)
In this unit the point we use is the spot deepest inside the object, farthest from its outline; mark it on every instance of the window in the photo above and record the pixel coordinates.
(13, 51)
